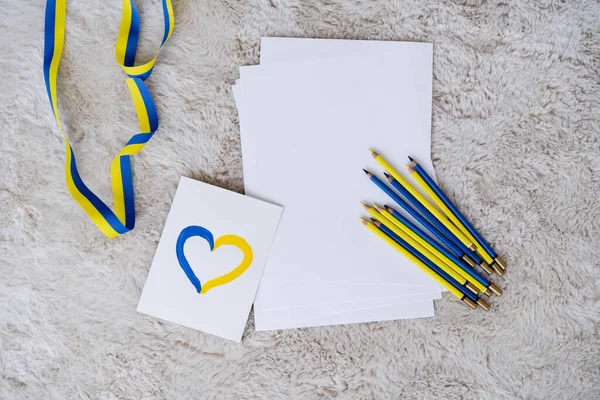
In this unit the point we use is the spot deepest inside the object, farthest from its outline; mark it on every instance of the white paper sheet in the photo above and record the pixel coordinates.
(228, 229)
(413, 62)
(313, 165)
(284, 294)
(290, 294)
(277, 50)
(390, 312)
(305, 313)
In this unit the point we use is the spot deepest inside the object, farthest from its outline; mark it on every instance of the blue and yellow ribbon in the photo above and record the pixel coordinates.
(122, 220)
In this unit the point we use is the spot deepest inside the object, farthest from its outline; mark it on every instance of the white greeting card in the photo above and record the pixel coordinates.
(210, 259)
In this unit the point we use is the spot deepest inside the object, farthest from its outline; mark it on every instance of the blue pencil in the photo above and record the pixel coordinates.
(460, 250)
(458, 261)
(432, 219)
(433, 267)
(451, 247)
(448, 244)
(456, 213)
(414, 213)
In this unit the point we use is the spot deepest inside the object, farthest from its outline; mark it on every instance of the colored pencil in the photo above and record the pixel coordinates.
(417, 175)
(422, 220)
(420, 202)
(433, 255)
(435, 264)
(441, 227)
(397, 216)
(454, 214)
(381, 222)
(463, 295)
(431, 246)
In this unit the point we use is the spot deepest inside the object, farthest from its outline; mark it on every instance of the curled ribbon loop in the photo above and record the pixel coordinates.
(122, 220)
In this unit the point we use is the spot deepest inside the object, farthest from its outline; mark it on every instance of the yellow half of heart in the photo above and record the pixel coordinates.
(230, 240)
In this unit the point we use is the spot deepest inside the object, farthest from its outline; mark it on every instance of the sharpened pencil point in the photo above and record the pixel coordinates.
(373, 153)
(410, 168)
(366, 206)
(375, 206)
(364, 221)
(368, 173)
(388, 176)
(388, 208)
(377, 223)
(410, 158)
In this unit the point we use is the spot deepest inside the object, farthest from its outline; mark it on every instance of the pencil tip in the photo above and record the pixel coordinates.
(364, 221)
(368, 173)
(373, 153)
(410, 158)
(388, 176)
(366, 206)
(375, 206)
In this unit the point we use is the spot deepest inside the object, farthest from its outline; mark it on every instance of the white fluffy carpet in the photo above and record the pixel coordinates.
(516, 141)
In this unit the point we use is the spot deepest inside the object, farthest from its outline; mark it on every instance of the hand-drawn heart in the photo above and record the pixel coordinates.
(231, 240)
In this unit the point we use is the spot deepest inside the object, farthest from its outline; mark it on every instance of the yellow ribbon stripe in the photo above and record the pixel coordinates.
(129, 15)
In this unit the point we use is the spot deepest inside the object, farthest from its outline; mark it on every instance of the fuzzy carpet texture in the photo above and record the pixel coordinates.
(516, 142)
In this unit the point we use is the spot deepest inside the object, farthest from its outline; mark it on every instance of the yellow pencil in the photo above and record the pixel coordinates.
(419, 264)
(481, 283)
(426, 249)
(452, 218)
(424, 202)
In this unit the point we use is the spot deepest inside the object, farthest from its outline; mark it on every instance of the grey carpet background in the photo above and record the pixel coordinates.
(516, 142)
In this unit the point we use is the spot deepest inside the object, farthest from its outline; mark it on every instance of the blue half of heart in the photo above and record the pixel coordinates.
(185, 234)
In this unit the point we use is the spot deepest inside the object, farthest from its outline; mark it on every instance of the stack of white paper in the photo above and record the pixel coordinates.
(308, 115)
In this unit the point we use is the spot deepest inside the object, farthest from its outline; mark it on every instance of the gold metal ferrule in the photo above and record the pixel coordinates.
(497, 291)
(472, 247)
(483, 304)
(471, 287)
(487, 292)
(486, 267)
(501, 263)
(469, 261)
(497, 269)
(469, 302)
